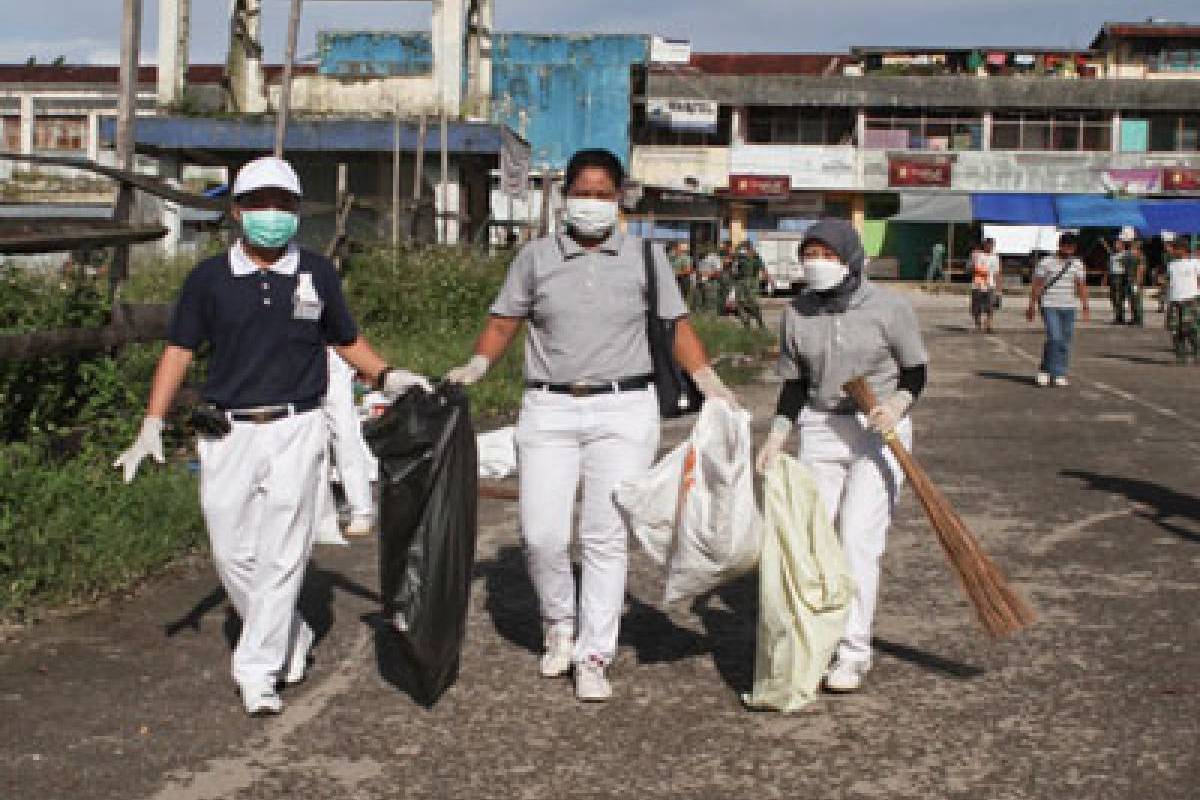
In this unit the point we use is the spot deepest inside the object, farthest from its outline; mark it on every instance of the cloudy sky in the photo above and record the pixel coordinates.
(88, 30)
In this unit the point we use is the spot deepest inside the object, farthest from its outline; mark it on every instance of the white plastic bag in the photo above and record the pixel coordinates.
(497, 453)
(694, 511)
(804, 591)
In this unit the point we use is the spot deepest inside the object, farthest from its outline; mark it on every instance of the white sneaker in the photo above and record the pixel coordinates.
(261, 701)
(1061, 381)
(591, 685)
(361, 525)
(297, 668)
(846, 676)
(560, 650)
(1043, 379)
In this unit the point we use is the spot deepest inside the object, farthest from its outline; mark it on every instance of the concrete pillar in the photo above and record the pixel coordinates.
(479, 58)
(173, 34)
(170, 169)
(243, 65)
(449, 30)
(26, 124)
(448, 200)
(738, 213)
(737, 126)
(1115, 145)
(860, 127)
(93, 136)
(987, 130)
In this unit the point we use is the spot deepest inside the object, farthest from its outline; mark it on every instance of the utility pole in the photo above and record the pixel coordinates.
(285, 86)
(131, 36)
(445, 174)
(396, 180)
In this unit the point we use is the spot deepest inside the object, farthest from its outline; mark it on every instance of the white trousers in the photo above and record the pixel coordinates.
(258, 489)
(602, 440)
(349, 450)
(859, 480)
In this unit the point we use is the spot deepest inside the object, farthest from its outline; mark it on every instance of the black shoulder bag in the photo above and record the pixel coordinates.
(677, 392)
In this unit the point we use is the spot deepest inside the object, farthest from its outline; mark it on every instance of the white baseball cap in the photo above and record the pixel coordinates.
(1128, 234)
(264, 172)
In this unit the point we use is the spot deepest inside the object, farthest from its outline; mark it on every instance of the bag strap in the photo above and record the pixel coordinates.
(1061, 272)
(651, 279)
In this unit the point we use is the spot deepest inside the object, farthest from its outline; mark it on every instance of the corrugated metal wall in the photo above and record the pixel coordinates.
(561, 92)
(565, 92)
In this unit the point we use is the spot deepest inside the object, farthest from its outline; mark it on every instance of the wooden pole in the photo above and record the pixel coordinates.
(340, 213)
(285, 84)
(131, 38)
(396, 181)
(419, 172)
(444, 145)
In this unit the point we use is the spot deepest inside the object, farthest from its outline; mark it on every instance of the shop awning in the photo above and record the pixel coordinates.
(1177, 216)
(933, 208)
(1021, 209)
(1091, 211)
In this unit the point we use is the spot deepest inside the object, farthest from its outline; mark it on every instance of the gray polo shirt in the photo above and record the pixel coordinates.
(874, 338)
(586, 309)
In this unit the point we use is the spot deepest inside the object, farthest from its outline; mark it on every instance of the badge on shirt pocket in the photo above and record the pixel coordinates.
(306, 303)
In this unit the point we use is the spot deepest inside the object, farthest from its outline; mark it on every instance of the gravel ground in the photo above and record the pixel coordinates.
(1087, 496)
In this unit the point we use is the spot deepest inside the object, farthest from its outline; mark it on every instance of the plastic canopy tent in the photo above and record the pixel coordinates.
(1178, 216)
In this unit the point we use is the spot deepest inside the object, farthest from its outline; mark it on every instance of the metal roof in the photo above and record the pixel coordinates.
(257, 134)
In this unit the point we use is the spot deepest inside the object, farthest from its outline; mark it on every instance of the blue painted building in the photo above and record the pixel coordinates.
(560, 92)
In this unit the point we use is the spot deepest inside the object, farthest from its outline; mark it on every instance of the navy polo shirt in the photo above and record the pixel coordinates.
(261, 353)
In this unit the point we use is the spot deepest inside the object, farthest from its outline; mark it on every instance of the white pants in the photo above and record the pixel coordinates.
(602, 439)
(349, 451)
(258, 489)
(859, 481)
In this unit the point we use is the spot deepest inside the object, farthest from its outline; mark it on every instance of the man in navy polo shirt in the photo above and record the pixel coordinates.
(267, 310)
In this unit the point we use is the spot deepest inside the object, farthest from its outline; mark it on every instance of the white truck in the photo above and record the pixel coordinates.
(780, 253)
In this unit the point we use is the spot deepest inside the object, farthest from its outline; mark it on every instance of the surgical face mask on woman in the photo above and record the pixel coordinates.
(822, 274)
(590, 217)
(269, 227)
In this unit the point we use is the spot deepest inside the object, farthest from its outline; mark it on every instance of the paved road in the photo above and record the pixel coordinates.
(1089, 496)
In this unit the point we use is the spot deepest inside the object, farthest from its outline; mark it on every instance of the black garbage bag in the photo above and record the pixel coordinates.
(428, 477)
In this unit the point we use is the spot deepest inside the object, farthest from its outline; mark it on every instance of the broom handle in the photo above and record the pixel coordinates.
(864, 398)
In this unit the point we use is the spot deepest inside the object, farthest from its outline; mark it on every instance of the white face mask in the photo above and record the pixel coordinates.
(822, 274)
(590, 217)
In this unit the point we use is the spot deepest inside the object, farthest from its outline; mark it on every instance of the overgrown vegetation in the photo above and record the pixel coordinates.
(70, 529)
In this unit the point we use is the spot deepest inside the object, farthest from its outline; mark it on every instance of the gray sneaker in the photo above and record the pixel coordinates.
(591, 684)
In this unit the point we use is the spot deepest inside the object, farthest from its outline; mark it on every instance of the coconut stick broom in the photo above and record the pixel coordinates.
(999, 608)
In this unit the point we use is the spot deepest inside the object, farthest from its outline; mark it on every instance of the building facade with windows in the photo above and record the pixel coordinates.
(791, 138)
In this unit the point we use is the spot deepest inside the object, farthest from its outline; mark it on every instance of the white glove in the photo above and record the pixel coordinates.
(470, 372)
(781, 429)
(711, 386)
(398, 381)
(147, 443)
(887, 415)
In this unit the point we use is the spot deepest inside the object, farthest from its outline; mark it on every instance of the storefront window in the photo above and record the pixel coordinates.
(1065, 132)
(1173, 133)
(916, 130)
(10, 133)
(799, 125)
(59, 133)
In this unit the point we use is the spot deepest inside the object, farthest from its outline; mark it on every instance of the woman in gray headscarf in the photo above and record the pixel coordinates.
(841, 326)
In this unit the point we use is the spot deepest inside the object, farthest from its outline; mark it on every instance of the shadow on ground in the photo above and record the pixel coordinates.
(1162, 503)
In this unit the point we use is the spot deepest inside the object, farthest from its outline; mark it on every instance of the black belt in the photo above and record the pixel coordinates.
(271, 413)
(580, 389)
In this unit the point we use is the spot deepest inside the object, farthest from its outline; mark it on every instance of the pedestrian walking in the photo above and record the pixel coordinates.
(840, 327)
(1060, 291)
(1183, 298)
(1137, 283)
(589, 411)
(266, 309)
(748, 272)
(985, 284)
(1118, 277)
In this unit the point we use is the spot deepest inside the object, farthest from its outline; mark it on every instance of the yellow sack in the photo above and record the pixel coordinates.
(804, 591)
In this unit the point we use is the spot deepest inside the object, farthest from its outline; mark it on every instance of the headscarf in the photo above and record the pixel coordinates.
(840, 236)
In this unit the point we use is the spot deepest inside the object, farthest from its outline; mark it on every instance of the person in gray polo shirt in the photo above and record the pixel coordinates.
(842, 327)
(589, 410)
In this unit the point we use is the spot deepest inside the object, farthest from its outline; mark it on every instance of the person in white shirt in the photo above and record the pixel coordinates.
(1183, 294)
(1059, 289)
(985, 284)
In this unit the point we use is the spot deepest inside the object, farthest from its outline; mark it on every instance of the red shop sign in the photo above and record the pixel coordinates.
(1181, 179)
(914, 172)
(760, 186)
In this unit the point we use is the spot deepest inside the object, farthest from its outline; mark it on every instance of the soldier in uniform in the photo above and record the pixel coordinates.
(748, 270)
